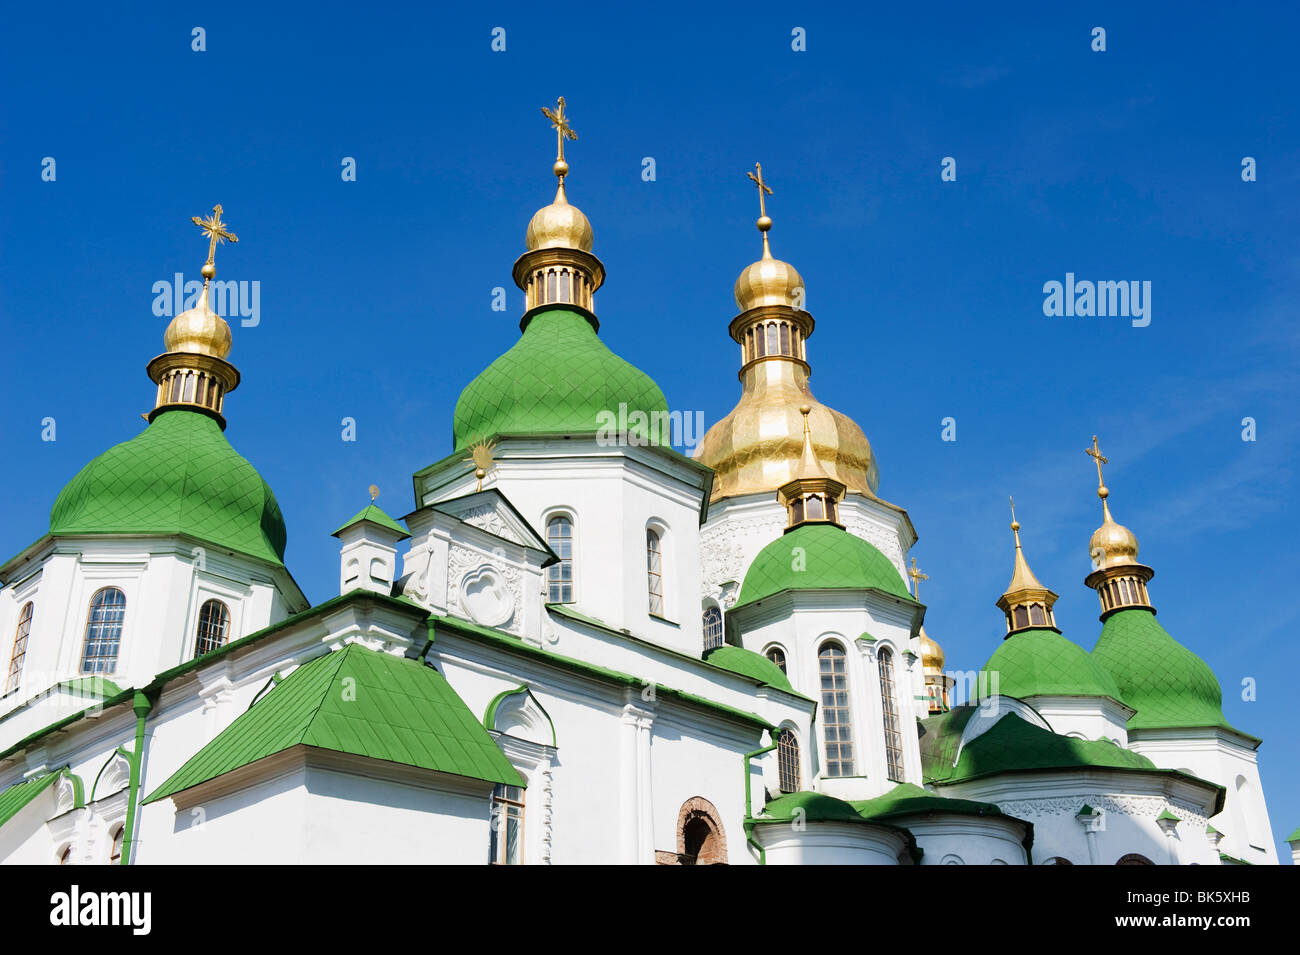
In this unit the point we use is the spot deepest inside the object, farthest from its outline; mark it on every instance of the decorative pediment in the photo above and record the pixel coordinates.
(492, 512)
(518, 713)
(114, 776)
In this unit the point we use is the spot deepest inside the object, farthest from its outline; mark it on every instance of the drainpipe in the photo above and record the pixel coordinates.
(141, 705)
(749, 825)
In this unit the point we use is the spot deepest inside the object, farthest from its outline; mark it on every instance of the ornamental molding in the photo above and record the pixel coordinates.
(487, 518)
(1120, 803)
(486, 593)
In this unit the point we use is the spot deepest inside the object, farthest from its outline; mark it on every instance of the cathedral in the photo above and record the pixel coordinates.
(581, 645)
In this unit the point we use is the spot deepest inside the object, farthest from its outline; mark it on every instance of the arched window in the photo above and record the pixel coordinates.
(787, 752)
(115, 852)
(103, 631)
(1134, 858)
(20, 647)
(837, 725)
(655, 570)
(559, 577)
(889, 706)
(773, 347)
(214, 627)
(777, 656)
(507, 825)
(712, 629)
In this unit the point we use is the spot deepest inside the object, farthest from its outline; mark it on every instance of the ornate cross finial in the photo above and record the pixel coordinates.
(480, 454)
(763, 190)
(1094, 452)
(216, 232)
(917, 576)
(563, 131)
(374, 493)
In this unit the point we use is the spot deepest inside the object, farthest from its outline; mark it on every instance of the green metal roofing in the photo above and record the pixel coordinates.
(20, 794)
(819, 557)
(1168, 684)
(808, 807)
(1043, 663)
(361, 702)
(750, 664)
(909, 799)
(178, 476)
(1167, 815)
(375, 515)
(558, 378)
(1013, 745)
(1295, 836)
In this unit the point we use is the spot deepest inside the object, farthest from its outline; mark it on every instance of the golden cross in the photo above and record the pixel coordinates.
(1094, 452)
(917, 576)
(763, 189)
(215, 230)
(559, 123)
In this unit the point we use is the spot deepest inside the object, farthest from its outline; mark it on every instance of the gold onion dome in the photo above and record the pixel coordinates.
(559, 226)
(1112, 544)
(756, 448)
(931, 653)
(199, 330)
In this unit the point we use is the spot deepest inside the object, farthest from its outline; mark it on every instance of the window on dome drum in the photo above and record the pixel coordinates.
(16, 659)
(214, 627)
(115, 852)
(712, 629)
(1022, 616)
(777, 656)
(787, 751)
(559, 577)
(837, 725)
(1134, 858)
(103, 631)
(889, 706)
(507, 825)
(772, 347)
(785, 339)
(655, 571)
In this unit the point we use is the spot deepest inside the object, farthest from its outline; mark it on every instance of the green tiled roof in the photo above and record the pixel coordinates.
(819, 557)
(374, 515)
(178, 476)
(750, 664)
(1044, 663)
(909, 799)
(557, 378)
(393, 709)
(1012, 745)
(20, 794)
(1295, 836)
(1166, 683)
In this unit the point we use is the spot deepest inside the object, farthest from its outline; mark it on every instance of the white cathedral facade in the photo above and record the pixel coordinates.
(590, 648)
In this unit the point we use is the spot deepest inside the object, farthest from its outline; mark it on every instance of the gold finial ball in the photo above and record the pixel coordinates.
(209, 271)
(1103, 492)
(805, 410)
(561, 168)
(1015, 525)
(764, 223)
(480, 473)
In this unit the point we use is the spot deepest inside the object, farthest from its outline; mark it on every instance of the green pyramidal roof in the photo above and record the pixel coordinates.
(819, 557)
(361, 702)
(558, 378)
(1044, 663)
(1168, 684)
(178, 476)
(750, 664)
(374, 515)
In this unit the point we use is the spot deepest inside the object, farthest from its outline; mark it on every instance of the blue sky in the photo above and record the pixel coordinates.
(376, 294)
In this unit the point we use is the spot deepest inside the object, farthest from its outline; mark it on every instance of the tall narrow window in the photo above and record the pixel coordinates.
(214, 627)
(103, 631)
(115, 853)
(559, 577)
(712, 629)
(655, 571)
(772, 347)
(777, 656)
(507, 825)
(889, 705)
(785, 338)
(20, 648)
(787, 752)
(837, 725)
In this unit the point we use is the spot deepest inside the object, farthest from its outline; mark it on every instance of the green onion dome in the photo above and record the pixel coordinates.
(178, 476)
(559, 378)
(1168, 684)
(750, 664)
(1041, 662)
(819, 557)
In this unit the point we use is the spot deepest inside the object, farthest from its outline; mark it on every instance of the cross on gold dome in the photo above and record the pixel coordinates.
(764, 220)
(563, 131)
(216, 232)
(917, 576)
(1099, 459)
